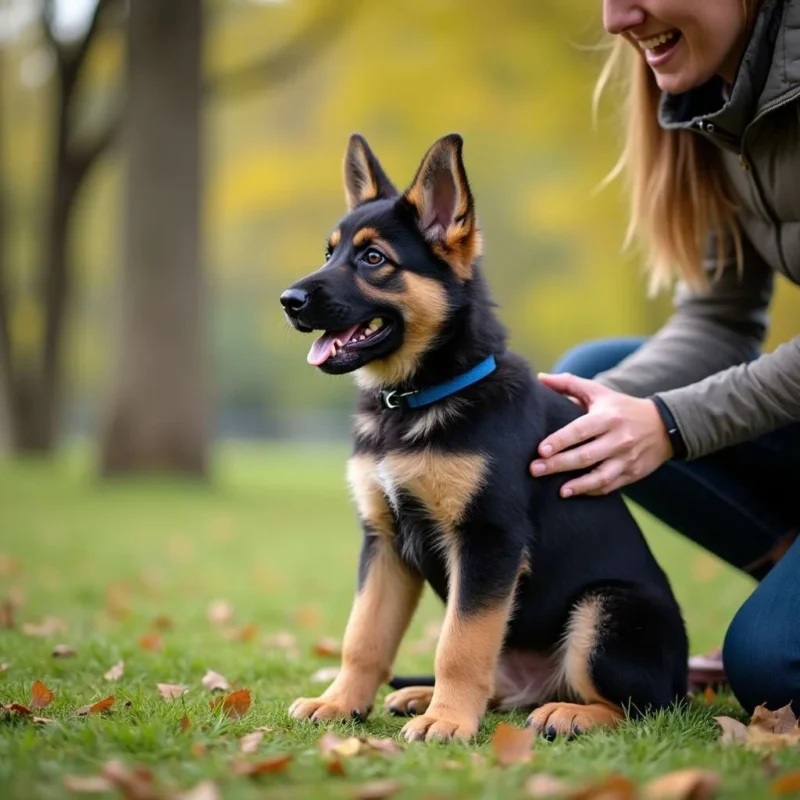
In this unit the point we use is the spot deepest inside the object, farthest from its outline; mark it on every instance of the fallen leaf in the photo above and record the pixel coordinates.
(47, 627)
(786, 784)
(152, 642)
(282, 640)
(220, 612)
(334, 767)
(95, 708)
(41, 720)
(512, 745)
(781, 721)
(7, 614)
(377, 790)
(207, 790)
(41, 696)
(732, 730)
(327, 647)
(543, 785)
(63, 651)
(199, 748)
(266, 766)
(249, 744)
(15, 708)
(331, 744)
(172, 691)
(163, 623)
(244, 634)
(135, 784)
(325, 674)
(709, 694)
(115, 673)
(88, 784)
(614, 787)
(683, 784)
(388, 747)
(235, 704)
(214, 682)
(186, 723)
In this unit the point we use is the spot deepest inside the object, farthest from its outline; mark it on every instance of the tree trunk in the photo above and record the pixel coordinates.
(157, 417)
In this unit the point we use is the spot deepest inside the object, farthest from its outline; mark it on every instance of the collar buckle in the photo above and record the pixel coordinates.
(391, 399)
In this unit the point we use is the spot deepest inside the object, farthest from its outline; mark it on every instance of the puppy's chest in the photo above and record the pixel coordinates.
(416, 497)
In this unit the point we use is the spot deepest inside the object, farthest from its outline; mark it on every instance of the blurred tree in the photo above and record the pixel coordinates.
(32, 381)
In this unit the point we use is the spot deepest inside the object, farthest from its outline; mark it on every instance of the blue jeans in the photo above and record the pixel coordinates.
(741, 503)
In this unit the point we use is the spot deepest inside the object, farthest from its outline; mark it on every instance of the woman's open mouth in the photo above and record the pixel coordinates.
(336, 343)
(659, 48)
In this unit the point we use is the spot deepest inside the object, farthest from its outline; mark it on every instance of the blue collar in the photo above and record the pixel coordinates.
(391, 398)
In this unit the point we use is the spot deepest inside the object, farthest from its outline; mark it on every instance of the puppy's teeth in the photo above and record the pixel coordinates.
(376, 323)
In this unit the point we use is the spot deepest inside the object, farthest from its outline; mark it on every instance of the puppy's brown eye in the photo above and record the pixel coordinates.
(373, 257)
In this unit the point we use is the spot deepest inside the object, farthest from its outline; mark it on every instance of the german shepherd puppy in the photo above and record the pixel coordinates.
(551, 603)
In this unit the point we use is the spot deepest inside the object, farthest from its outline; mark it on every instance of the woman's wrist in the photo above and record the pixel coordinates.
(679, 450)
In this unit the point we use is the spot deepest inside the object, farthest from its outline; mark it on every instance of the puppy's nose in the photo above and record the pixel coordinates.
(293, 300)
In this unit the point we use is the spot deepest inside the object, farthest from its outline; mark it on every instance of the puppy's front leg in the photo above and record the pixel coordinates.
(385, 601)
(478, 609)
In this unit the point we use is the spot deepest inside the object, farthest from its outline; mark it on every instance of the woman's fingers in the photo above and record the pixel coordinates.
(602, 480)
(580, 388)
(579, 430)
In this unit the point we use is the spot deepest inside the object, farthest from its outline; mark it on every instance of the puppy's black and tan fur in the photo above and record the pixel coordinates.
(551, 603)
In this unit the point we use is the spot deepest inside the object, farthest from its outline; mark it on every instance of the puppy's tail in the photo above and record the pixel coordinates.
(404, 681)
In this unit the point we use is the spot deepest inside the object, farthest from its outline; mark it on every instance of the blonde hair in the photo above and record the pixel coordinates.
(679, 191)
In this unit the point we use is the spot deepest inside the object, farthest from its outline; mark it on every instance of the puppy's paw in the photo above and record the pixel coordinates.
(409, 701)
(439, 728)
(319, 709)
(570, 719)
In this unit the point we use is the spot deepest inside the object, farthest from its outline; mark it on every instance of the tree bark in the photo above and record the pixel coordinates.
(158, 408)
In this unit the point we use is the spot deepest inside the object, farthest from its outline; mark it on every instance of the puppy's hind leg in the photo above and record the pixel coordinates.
(623, 650)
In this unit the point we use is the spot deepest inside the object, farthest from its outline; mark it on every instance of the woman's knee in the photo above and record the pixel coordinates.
(761, 654)
(590, 358)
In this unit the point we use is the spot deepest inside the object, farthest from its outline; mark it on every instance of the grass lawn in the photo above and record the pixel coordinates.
(275, 538)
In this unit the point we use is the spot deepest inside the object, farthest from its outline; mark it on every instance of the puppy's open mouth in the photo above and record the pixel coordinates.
(335, 344)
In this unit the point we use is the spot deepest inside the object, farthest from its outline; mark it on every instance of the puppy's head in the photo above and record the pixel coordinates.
(396, 269)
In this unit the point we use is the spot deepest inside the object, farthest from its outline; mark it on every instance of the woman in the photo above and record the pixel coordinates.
(696, 426)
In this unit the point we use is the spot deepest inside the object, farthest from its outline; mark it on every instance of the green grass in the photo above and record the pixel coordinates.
(273, 535)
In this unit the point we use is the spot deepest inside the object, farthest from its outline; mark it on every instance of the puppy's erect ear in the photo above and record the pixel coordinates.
(442, 199)
(364, 178)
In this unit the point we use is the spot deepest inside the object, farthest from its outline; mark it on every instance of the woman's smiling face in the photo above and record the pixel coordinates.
(685, 42)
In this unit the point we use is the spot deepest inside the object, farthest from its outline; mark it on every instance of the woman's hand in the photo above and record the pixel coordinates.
(624, 436)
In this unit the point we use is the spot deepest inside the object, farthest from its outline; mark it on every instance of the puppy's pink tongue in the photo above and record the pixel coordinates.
(322, 349)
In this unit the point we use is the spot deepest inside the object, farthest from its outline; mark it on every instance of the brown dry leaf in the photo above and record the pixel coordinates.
(95, 708)
(116, 672)
(327, 647)
(709, 694)
(41, 696)
(781, 721)
(63, 651)
(186, 723)
(388, 747)
(47, 627)
(266, 766)
(244, 634)
(153, 642)
(614, 787)
(220, 612)
(376, 790)
(335, 767)
(732, 730)
(135, 784)
(325, 674)
(249, 744)
(512, 745)
(207, 790)
(172, 691)
(235, 704)
(7, 614)
(543, 785)
(88, 784)
(683, 784)
(163, 623)
(214, 682)
(331, 744)
(15, 708)
(786, 784)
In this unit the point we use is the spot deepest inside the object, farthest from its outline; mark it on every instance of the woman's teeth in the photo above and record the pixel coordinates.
(650, 44)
